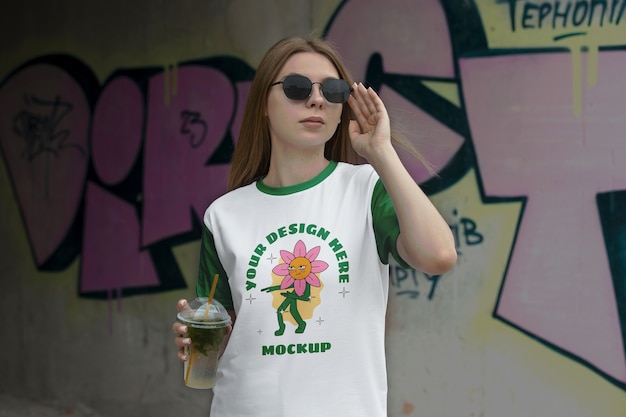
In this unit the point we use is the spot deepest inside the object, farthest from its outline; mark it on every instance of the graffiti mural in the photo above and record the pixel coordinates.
(519, 106)
(536, 134)
(112, 173)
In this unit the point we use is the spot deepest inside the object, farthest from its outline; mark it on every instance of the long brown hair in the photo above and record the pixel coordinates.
(251, 158)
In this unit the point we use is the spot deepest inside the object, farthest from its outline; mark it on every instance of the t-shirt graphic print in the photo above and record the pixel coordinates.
(298, 281)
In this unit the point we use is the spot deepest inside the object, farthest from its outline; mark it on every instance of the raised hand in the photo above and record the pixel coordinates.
(371, 129)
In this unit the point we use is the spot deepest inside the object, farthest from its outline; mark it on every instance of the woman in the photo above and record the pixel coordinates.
(302, 240)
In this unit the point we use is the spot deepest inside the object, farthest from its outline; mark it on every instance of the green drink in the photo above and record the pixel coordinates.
(206, 331)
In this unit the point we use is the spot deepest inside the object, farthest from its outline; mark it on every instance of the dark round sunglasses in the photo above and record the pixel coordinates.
(299, 87)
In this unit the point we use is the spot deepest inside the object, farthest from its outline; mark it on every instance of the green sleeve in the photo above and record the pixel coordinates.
(209, 266)
(386, 227)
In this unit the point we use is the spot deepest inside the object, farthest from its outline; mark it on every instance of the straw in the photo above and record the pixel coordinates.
(206, 314)
(191, 358)
(208, 304)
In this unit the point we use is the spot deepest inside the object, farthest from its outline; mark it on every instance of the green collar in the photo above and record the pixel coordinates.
(292, 189)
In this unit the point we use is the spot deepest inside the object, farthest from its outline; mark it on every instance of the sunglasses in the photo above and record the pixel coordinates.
(299, 87)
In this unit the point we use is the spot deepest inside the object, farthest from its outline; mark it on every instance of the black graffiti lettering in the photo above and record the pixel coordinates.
(189, 119)
(407, 282)
(399, 275)
(560, 15)
(594, 4)
(544, 11)
(512, 9)
(528, 15)
(410, 293)
(581, 9)
(465, 232)
(434, 280)
(472, 237)
(402, 275)
(37, 126)
(565, 14)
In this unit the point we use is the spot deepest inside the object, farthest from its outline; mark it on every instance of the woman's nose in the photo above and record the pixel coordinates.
(316, 97)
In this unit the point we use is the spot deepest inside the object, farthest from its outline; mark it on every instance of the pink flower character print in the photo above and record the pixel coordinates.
(299, 271)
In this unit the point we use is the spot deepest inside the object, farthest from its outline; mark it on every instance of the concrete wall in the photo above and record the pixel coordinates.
(518, 105)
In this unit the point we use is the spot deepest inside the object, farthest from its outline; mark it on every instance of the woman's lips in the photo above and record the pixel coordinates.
(313, 122)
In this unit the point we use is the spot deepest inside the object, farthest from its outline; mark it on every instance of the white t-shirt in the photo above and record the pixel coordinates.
(301, 266)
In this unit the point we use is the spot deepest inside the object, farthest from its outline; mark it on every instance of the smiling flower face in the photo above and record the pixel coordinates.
(300, 268)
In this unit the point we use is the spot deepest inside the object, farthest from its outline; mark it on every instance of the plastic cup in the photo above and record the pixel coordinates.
(206, 331)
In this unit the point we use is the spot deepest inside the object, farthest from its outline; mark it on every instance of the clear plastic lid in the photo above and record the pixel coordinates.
(196, 314)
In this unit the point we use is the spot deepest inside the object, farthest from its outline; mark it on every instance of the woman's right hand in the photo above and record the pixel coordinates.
(181, 340)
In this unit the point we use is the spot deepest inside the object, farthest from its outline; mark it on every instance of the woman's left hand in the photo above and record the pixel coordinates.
(371, 128)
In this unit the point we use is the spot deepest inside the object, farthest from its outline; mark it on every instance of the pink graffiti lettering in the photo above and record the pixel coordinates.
(44, 140)
(530, 143)
(180, 139)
